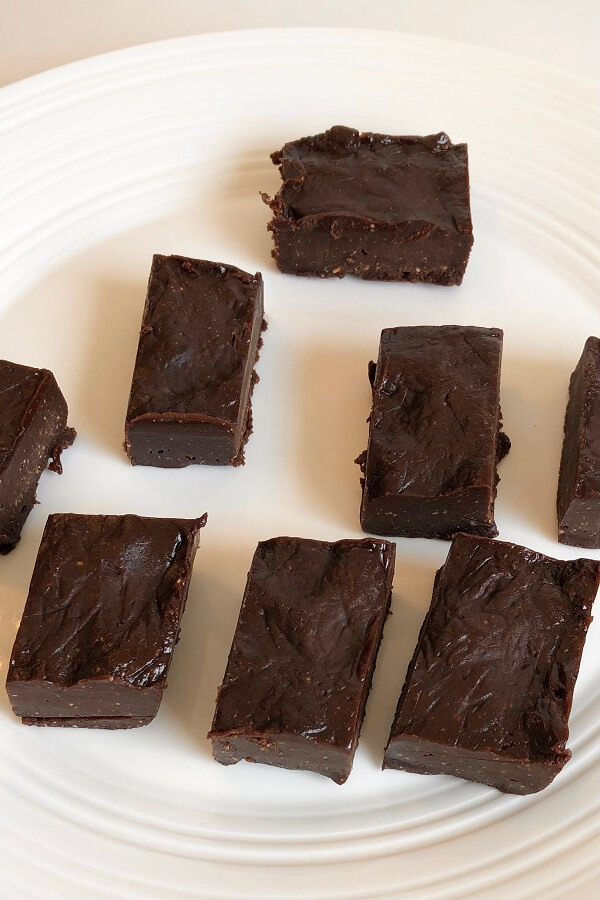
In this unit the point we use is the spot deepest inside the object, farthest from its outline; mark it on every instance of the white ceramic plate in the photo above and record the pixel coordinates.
(165, 148)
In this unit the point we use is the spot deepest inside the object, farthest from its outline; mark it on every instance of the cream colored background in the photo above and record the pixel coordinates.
(39, 34)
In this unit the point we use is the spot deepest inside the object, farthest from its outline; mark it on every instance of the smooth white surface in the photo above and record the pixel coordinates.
(39, 34)
(165, 148)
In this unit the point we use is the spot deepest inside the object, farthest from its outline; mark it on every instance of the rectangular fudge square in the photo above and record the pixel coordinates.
(194, 371)
(488, 692)
(303, 654)
(33, 432)
(101, 620)
(578, 500)
(434, 436)
(373, 205)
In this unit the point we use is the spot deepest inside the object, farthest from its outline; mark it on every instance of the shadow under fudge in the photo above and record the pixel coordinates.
(237, 211)
(333, 402)
(104, 384)
(534, 397)
(410, 601)
(211, 614)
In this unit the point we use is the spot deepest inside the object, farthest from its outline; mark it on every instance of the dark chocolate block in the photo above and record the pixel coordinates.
(303, 654)
(33, 432)
(101, 620)
(193, 377)
(372, 205)
(489, 689)
(434, 437)
(578, 500)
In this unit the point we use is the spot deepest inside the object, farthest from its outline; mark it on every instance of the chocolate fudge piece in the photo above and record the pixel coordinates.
(303, 654)
(33, 432)
(193, 377)
(578, 500)
(489, 689)
(434, 437)
(372, 205)
(101, 620)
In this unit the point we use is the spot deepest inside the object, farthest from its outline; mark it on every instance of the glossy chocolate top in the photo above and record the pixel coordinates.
(311, 614)
(499, 651)
(105, 599)
(195, 339)
(376, 177)
(434, 424)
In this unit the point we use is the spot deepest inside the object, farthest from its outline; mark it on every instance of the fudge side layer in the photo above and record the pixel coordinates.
(303, 654)
(489, 689)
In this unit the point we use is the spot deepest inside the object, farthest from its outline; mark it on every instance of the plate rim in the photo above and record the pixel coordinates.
(52, 78)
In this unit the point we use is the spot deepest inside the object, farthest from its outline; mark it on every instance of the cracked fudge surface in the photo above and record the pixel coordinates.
(33, 433)
(303, 654)
(101, 620)
(578, 499)
(434, 435)
(488, 692)
(191, 390)
(373, 205)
